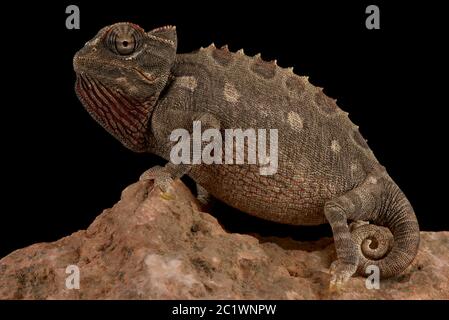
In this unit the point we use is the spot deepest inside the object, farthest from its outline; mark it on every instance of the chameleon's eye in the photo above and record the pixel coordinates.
(123, 39)
(125, 44)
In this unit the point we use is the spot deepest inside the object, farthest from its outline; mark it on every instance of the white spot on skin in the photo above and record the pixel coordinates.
(136, 54)
(353, 169)
(122, 80)
(372, 180)
(263, 112)
(230, 93)
(187, 82)
(132, 88)
(335, 146)
(295, 120)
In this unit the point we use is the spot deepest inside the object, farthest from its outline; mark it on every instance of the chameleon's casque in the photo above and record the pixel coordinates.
(139, 89)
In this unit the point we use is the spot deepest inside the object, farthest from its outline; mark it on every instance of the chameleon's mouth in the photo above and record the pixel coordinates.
(121, 115)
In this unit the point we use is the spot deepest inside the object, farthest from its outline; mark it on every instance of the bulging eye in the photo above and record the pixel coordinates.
(125, 44)
(123, 39)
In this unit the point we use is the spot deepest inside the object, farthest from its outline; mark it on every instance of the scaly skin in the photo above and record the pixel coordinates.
(136, 86)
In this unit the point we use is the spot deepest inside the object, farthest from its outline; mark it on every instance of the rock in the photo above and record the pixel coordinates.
(154, 246)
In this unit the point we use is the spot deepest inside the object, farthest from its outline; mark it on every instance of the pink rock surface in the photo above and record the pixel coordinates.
(153, 247)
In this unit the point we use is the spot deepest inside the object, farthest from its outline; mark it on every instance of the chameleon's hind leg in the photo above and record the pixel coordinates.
(357, 224)
(357, 204)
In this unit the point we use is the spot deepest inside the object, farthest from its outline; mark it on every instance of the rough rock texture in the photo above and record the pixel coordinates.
(150, 246)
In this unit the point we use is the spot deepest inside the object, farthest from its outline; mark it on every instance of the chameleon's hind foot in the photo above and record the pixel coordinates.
(340, 274)
(205, 199)
(357, 224)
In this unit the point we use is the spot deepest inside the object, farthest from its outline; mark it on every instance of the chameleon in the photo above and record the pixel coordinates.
(137, 86)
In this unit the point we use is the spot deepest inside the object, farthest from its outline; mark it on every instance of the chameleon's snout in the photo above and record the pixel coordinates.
(83, 58)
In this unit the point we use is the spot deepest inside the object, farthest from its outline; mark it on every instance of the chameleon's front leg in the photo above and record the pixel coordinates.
(164, 176)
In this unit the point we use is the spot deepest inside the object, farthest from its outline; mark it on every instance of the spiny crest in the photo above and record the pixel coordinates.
(263, 68)
(165, 34)
(164, 28)
(293, 82)
(223, 56)
(268, 69)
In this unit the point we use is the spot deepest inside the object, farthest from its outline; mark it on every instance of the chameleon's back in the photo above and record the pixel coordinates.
(321, 152)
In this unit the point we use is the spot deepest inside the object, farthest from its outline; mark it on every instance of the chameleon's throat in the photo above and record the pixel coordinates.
(121, 115)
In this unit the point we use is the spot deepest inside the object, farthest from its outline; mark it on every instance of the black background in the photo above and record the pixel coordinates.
(60, 169)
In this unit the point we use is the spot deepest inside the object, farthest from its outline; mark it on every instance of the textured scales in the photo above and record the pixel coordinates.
(136, 86)
(248, 103)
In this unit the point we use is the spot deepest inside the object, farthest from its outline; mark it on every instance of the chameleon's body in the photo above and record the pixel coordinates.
(140, 90)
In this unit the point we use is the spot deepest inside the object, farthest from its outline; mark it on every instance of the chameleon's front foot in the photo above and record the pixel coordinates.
(340, 274)
(161, 177)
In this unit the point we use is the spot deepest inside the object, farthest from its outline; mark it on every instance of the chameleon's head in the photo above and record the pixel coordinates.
(119, 76)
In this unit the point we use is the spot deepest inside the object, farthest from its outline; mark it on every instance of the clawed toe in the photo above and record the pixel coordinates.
(152, 173)
(163, 183)
(340, 274)
(161, 177)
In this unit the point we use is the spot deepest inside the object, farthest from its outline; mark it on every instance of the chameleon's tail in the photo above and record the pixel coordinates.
(391, 253)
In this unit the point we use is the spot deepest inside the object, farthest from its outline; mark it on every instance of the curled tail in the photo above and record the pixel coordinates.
(391, 252)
